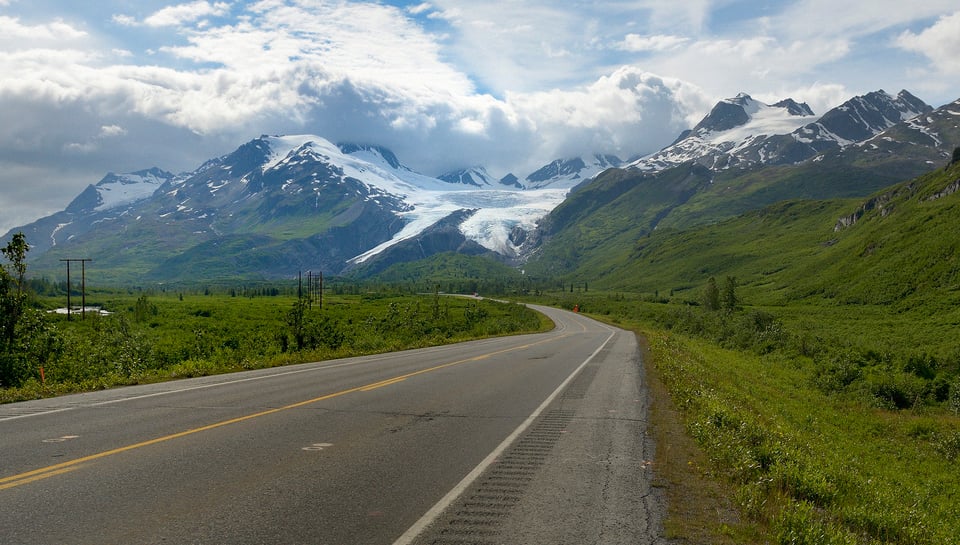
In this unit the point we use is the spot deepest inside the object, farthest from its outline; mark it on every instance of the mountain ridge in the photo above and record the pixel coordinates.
(631, 203)
(354, 207)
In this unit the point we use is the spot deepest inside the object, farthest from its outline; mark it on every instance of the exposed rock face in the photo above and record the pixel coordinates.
(949, 190)
(882, 203)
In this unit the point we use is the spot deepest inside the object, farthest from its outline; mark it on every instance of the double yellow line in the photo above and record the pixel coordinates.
(65, 467)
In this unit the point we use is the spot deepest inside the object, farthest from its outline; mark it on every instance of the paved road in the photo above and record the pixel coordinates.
(529, 439)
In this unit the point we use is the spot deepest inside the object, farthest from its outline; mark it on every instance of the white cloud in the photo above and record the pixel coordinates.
(14, 34)
(626, 113)
(637, 43)
(124, 20)
(366, 42)
(109, 131)
(821, 97)
(420, 8)
(186, 13)
(940, 43)
(94, 143)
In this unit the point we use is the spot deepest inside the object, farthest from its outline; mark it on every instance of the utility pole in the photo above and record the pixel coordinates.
(83, 286)
(314, 289)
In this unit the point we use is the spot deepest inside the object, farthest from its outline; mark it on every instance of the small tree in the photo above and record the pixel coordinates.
(728, 298)
(956, 155)
(12, 296)
(711, 295)
(297, 320)
(26, 339)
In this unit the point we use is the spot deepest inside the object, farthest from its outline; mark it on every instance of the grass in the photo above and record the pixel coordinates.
(778, 455)
(165, 336)
(814, 468)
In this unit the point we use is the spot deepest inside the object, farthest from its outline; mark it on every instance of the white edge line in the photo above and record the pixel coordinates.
(27, 415)
(357, 360)
(200, 387)
(430, 516)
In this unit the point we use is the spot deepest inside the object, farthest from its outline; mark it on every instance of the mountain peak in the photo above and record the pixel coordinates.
(865, 116)
(116, 190)
(571, 171)
(794, 107)
(743, 132)
(725, 115)
(473, 176)
(741, 110)
(349, 148)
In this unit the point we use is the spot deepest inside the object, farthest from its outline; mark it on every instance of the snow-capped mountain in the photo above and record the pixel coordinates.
(116, 190)
(937, 130)
(111, 197)
(282, 203)
(725, 135)
(568, 173)
(742, 133)
(475, 176)
(279, 204)
(863, 117)
(310, 165)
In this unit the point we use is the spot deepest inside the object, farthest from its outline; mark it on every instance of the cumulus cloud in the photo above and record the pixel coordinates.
(626, 113)
(940, 43)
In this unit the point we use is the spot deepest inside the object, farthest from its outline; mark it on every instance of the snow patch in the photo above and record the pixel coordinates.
(124, 189)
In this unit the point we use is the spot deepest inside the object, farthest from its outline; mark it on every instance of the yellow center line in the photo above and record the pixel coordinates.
(63, 467)
(30, 479)
(382, 384)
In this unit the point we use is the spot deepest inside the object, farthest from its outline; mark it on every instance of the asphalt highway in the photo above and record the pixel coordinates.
(526, 439)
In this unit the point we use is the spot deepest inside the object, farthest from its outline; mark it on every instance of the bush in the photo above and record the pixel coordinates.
(839, 371)
(895, 390)
(953, 399)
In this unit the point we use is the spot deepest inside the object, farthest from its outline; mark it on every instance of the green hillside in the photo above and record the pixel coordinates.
(592, 232)
(903, 248)
(890, 281)
(587, 236)
(824, 400)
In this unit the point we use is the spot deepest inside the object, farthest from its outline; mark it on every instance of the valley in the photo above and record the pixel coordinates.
(801, 316)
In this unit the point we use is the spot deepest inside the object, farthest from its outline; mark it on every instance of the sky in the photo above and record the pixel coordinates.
(88, 88)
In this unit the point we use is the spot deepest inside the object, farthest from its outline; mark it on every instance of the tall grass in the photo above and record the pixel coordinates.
(168, 336)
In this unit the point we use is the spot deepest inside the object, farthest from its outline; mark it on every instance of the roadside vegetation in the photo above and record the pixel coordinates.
(839, 434)
(154, 336)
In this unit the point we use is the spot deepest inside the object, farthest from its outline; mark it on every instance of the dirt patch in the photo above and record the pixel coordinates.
(700, 510)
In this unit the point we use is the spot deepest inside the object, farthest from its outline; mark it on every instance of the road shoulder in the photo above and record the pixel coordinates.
(700, 510)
